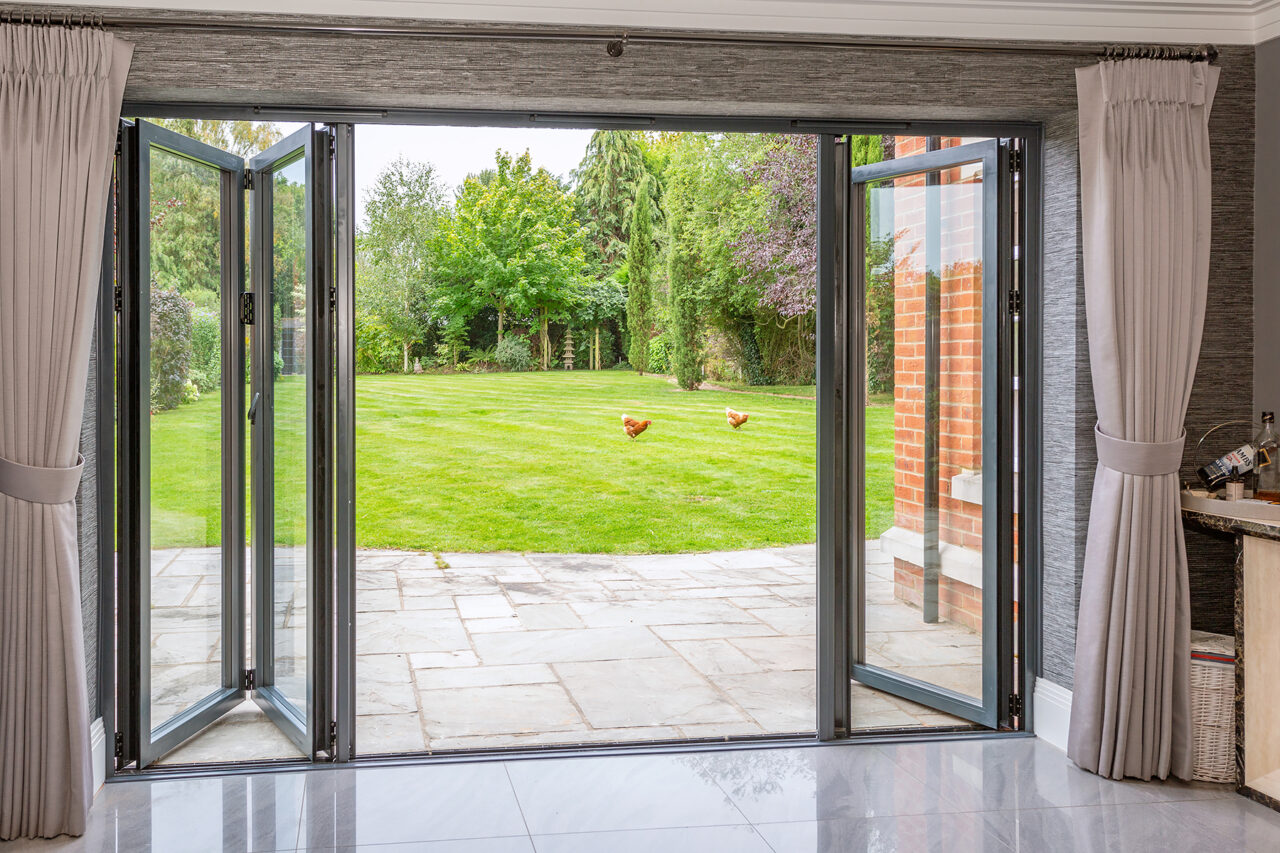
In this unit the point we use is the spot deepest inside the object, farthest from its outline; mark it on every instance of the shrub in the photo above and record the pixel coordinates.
(660, 353)
(481, 360)
(376, 350)
(206, 350)
(170, 347)
(512, 353)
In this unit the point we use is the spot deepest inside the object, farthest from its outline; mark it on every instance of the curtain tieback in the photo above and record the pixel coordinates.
(1144, 458)
(40, 485)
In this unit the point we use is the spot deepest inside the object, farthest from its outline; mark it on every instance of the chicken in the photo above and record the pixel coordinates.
(633, 427)
(736, 419)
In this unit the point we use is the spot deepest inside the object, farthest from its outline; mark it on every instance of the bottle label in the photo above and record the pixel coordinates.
(1216, 472)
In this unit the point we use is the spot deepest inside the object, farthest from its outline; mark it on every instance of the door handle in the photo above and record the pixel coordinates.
(253, 407)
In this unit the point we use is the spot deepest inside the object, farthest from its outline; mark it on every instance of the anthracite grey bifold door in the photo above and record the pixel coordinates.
(214, 359)
(290, 412)
(926, 289)
(181, 503)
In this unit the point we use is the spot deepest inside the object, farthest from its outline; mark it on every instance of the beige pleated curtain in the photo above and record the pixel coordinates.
(60, 94)
(1145, 207)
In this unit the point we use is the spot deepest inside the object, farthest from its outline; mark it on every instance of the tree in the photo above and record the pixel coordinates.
(640, 258)
(684, 330)
(705, 180)
(606, 183)
(513, 244)
(186, 206)
(242, 138)
(602, 300)
(403, 211)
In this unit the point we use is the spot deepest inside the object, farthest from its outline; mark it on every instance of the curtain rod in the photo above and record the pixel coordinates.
(615, 44)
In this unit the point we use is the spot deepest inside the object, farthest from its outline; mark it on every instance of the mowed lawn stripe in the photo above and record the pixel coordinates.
(539, 462)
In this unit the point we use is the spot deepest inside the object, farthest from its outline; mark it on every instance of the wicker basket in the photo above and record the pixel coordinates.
(1213, 719)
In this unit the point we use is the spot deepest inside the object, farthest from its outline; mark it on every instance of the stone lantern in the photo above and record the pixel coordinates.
(568, 350)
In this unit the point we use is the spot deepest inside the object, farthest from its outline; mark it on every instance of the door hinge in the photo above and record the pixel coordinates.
(119, 745)
(248, 180)
(1015, 705)
(250, 679)
(333, 739)
(333, 299)
(1015, 303)
(1015, 160)
(117, 298)
(246, 308)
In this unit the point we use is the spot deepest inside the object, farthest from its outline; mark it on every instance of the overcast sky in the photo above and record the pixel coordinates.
(456, 152)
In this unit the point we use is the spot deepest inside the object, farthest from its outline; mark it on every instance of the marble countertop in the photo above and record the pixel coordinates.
(1226, 524)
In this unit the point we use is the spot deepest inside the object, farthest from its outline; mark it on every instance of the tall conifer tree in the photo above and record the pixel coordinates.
(640, 263)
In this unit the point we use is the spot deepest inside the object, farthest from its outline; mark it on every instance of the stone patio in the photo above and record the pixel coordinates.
(474, 651)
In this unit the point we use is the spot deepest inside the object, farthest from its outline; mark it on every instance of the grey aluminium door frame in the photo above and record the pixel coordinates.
(308, 728)
(996, 411)
(832, 722)
(836, 322)
(146, 741)
(343, 747)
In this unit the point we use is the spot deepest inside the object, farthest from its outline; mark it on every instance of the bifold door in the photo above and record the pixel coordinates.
(182, 472)
(930, 250)
(292, 340)
(209, 366)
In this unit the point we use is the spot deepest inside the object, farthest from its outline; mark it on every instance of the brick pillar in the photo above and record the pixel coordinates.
(960, 388)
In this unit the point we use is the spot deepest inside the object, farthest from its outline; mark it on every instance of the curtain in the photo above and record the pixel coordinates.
(60, 95)
(1145, 207)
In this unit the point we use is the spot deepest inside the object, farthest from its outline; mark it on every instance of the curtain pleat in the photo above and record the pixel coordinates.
(60, 96)
(1145, 209)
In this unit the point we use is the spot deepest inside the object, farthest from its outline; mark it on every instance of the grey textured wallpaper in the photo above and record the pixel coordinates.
(87, 516)
(246, 68)
(1068, 414)
(1266, 252)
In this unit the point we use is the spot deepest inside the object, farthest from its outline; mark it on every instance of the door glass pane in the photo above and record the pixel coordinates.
(289, 456)
(924, 583)
(186, 433)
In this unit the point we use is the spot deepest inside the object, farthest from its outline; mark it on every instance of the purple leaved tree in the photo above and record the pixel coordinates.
(781, 257)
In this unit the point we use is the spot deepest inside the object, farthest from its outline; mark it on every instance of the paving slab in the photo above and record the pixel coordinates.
(508, 650)
(571, 644)
(627, 693)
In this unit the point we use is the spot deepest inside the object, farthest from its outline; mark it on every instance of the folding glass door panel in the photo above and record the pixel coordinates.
(182, 411)
(189, 330)
(290, 410)
(926, 611)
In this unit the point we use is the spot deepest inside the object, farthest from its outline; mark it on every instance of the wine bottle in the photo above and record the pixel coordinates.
(1218, 471)
(1267, 482)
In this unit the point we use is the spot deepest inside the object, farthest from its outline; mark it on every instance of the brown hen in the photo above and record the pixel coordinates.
(633, 427)
(736, 419)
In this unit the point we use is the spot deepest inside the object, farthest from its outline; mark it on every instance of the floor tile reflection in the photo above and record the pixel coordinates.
(999, 795)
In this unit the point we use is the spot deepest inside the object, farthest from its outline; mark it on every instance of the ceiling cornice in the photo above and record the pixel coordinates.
(1221, 22)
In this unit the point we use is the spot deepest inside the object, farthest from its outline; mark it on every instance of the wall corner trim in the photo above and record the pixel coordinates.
(1051, 707)
(98, 751)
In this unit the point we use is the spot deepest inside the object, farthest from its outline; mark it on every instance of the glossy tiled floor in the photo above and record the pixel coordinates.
(977, 795)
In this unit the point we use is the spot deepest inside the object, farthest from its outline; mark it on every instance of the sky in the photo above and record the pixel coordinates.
(456, 152)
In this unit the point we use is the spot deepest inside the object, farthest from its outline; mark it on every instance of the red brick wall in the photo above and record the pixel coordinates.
(960, 387)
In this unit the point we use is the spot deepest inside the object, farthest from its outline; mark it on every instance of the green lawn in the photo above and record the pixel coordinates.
(539, 462)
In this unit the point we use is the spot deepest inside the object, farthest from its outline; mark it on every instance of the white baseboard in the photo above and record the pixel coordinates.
(98, 751)
(1051, 704)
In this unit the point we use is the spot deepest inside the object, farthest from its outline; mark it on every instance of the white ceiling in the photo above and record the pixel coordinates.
(1193, 21)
